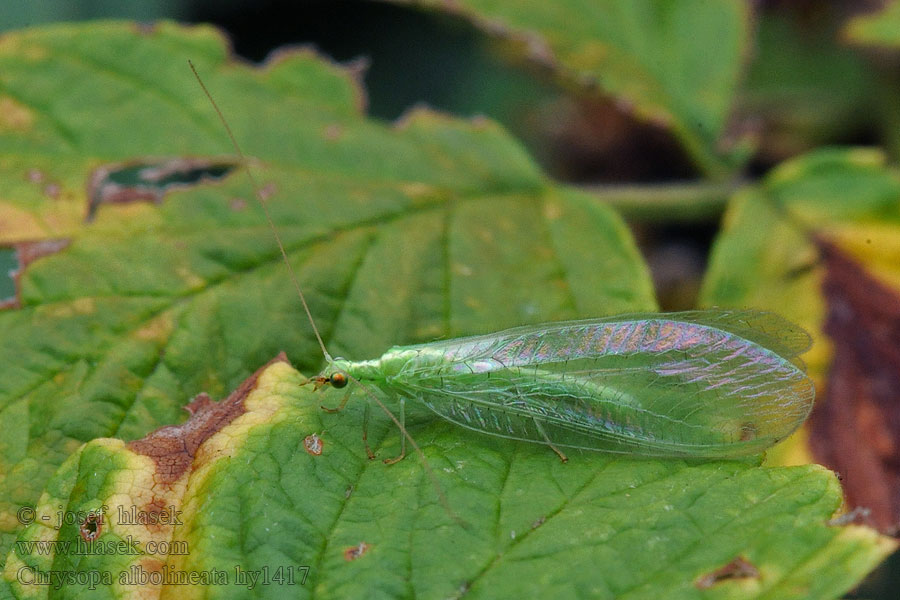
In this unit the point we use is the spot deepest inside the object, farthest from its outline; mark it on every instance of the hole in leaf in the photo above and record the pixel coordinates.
(15, 259)
(739, 568)
(314, 444)
(354, 552)
(9, 265)
(149, 181)
(92, 526)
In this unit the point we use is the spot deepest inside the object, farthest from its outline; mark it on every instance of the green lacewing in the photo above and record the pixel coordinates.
(704, 384)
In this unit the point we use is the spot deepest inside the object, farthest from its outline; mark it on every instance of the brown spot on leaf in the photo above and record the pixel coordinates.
(148, 181)
(27, 253)
(146, 29)
(173, 447)
(739, 568)
(314, 444)
(200, 403)
(354, 552)
(268, 190)
(52, 190)
(333, 132)
(34, 175)
(92, 526)
(856, 424)
(155, 515)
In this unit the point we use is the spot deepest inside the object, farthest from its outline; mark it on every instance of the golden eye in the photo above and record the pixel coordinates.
(338, 379)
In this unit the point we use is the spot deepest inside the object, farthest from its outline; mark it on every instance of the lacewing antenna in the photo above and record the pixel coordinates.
(265, 207)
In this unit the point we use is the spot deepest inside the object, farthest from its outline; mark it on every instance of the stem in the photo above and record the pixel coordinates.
(694, 201)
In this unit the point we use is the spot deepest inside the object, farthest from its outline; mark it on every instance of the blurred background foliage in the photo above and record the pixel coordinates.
(814, 77)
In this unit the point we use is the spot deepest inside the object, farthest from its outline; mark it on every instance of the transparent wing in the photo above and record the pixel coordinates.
(683, 384)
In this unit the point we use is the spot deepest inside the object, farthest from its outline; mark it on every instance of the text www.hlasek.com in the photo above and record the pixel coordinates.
(80, 547)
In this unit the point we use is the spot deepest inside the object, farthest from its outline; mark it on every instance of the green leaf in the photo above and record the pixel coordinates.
(653, 57)
(430, 228)
(881, 28)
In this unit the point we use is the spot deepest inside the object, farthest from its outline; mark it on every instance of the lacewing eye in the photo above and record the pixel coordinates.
(338, 379)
